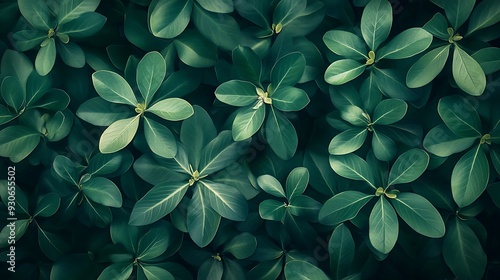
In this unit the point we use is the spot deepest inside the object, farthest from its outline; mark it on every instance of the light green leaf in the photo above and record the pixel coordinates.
(345, 44)
(488, 59)
(289, 98)
(72, 9)
(118, 271)
(376, 23)
(151, 71)
(343, 71)
(462, 251)
(341, 249)
(71, 54)
(342, 207)
(159, 138)
(236, 93)
(47, 205)
(247, 122)
(296, 182)
(66, 169)
(442, 142)
(287, 71)
(457, 12)
(46, 57)
(406, 44)
(484, 15)
(389, 111)
(84, 26)
(223, 6)
(383, 226)
(20, 228)
(103, 191)
(103, 164)
(210, 269)
(303, 206)
(408, 167)
(37, 13)
(384, 148)
(271, 185)
(352, 167)
(280, 134)
(470, 177)
(113, 88)
(154, 272)
(272, 210)
(354, 115)
(347, 141)
(155, 242)
(467, 73)
(118, 135)
(226, 200)
(459, 116)
(172, 109)
(202, 220)
(99, 112)
(157, 203)
(427, 67)
(17, 142)
(302, 270)
(13, 93)
(419, 214)
(167, 19)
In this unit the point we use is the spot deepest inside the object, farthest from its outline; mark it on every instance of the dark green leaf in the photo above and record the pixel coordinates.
(287, 71)
(280, 134)
(247, 122)
(352, 167)
(457, 12)
(302, 270)
(241, 246)
(408, 167)
(389, 111)
(384, 148)
(160, 139)
(103, 191)
(442, 142)
(85, 25)
(220, 29)
(342, 207)
(296, 182)
(484, 15)
(72, 9)
(194, 50)
(202, 220)
(167, 19)
(118, 271)
(376, 23)
(47, 205)
(37, 13)
(427, 67)
(226, 200)
(98, 111)
(459, 116)
(341, 249)
(406, 44)
(272, 210)
(17, 142)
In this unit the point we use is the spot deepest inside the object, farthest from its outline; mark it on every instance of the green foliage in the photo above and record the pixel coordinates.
(282, 139)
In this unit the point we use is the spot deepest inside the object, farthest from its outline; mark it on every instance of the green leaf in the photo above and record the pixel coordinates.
(37, 13)
(406, 44)
(84, 26)
(391, 83)
(46, 57)
(247, 122)
(241, 246)
(113, 88)
(118, 135)
(47, 205)
(103, 191)
(210, 269)
(352, 167)
(167, 19)
(341, 249)
(442, 142)
(202, 220)
(383, 226)
(457, 12)
(154, 243)
(354, 115)
(286, 11)
(99, 112)
(289, 98)
(384, 148)
(389, 111)
(343, 71)
(223, 6)
(347, 141)
(20, 228)
(72, 9)
(220, 29)
(194, 50)
(66, 169)
(71, 54)
(59, 126)
(172, 109)
(53, 246)
(151, 71)
(196, 132)
(221, 152)
(342, 207)
(427, 67)
(296, 182)
(287, 71)
(157, 203)
(437, 26)
(470, 177)
(459, 116)
(484, 15)
(226, 200)
(376, 23)
(272, 210)
(103, 164)
(118, 271)
(419, 214)
(36, 87)
(468, 73)
(345, 44)
(408, 167)
(159, 138)
(271, 185)
(488, 59)
(236, 93)
(18, 65)
(302, 270)
(54, 100)
(280, 134)
(305, 207)
(462, 251)
(13, 93)
(247, 65)
(76, 266)
(154, 272)
(17, 142)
